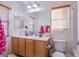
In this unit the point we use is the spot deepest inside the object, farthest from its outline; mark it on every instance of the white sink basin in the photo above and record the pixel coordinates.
(32, 37)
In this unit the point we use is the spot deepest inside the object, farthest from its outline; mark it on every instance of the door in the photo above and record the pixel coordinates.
(40, 49)
(21, 46)
(29, 47)
(15, 45)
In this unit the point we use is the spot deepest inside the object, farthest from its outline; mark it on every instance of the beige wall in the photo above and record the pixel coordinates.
(75, 26)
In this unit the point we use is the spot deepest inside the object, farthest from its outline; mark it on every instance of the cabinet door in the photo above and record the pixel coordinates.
(15, 45)
(21, 46)
(29, 48)
(40, 49)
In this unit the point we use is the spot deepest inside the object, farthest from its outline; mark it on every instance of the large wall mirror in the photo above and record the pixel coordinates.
(30, 24)
(18, 21)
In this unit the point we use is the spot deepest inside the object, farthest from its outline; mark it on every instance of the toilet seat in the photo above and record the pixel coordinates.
(58, 54)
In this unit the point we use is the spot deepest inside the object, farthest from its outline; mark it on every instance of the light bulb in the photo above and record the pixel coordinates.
(29, 6)
(35, 5)
(34, 10)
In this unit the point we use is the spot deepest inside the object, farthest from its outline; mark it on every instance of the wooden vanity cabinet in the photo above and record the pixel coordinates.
(41, 49)
(29, 48)
(21, 46)
(15, 45)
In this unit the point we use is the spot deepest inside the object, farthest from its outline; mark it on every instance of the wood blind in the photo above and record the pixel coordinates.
(60, 18)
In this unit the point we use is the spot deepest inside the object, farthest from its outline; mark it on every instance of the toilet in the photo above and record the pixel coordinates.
(59, 47)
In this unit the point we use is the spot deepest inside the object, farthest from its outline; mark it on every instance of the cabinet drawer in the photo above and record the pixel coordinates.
(15, 45)
(21, 52)
(29, 47)
(21, 46)
(40, 49)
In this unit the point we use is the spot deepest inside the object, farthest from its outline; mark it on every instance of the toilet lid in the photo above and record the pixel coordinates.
(58, 54)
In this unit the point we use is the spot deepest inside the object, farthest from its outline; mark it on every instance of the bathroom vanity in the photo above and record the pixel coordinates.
(30, 46)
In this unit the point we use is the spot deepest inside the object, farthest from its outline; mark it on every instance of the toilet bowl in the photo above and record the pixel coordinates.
(59, 47)
(58, 54)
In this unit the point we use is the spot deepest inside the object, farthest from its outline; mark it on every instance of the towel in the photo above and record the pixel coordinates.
(2, 39)
(47, 28)
(42, 30)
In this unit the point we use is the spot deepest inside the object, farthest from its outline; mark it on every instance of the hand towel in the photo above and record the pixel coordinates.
(47, 29)
(42, 30)
(2, 38)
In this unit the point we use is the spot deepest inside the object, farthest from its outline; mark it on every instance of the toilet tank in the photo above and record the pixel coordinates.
(60, 45)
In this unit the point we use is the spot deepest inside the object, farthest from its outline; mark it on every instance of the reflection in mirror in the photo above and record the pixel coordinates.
(18, 22)
(29, 22)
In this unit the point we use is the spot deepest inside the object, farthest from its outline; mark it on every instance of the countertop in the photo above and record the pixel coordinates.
(44, 38)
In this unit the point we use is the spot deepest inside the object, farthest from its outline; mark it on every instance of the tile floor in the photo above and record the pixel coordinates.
(12, 55)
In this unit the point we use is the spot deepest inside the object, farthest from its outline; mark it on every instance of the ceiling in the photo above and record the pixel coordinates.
(45, 4)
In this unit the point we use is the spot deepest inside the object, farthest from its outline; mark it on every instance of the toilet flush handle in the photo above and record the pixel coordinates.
(48, 46)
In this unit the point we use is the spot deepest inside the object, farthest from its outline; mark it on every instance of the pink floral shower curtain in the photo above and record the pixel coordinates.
(2, 39)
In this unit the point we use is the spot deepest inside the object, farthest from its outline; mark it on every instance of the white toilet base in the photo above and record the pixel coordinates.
(58, 54)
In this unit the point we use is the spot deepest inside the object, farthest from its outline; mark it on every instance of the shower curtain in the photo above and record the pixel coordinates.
(2, 39)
